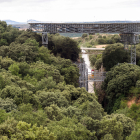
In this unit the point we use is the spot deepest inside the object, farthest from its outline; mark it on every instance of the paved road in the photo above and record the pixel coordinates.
(96, 49)
(90, 87)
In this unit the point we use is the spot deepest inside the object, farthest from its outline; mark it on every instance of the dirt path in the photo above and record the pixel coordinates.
(101, 46)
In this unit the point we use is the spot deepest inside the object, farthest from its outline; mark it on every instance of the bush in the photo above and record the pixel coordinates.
(99, 36)
(89, 46)
(101, 41)
(90, 37)
(92, 59)
(84, 35)
(92, 42)
(86, 38)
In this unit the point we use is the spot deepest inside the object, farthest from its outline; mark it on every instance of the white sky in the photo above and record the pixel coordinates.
(69, 10)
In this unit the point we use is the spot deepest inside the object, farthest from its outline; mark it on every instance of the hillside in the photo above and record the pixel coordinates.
(40, 98)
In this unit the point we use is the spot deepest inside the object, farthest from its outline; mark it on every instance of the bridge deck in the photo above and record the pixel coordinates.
(86, 27)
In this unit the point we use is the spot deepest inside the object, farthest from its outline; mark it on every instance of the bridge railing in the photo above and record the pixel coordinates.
(87, 77)
(98, 76)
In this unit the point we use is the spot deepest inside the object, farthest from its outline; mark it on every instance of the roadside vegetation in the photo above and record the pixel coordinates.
(40, 98)
(90, 41)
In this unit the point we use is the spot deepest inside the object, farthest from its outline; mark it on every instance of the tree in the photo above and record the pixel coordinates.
(3, 116)
(84, 35)
(135, 135)
(20, 52)
(113, 55)
(117, 84)
(30, 114)
(8, 34)
(70, 129)
(7, 104)
(5, 62)
(21, 130)
(29, 34)
(92, 59)
(20, 95)
(48, 98)
(101, 41)
(66, 47)
(118, 125)
(14, 69)
(98, 63)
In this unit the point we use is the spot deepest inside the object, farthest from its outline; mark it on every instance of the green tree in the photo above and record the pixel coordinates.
(3, 116)
(29, 34)
(20, 52)
(7, 104)
(14, 69)
(65, 46)
(84, 35)
(117, 84)
(70, 129)
(135, 135)
(98, 63)
(20, 95)
(21, 130)
(48, 98)
(30, 114)
(92, 59)
(6, 62)
(118, 125)
(54, 112)
(117, 54)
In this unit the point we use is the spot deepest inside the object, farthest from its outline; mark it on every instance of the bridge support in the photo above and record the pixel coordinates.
(130, 38)
(126, 46)
(86, 80)
(44, 39)
(133, 54)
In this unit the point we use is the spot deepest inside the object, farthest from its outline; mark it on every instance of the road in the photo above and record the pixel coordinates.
(96, 49)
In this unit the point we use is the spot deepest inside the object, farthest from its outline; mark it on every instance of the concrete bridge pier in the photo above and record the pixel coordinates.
(44, 39)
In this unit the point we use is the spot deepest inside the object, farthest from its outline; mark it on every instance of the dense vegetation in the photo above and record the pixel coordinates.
(40, 98)
(63, 46)
(91, 41)
(117, 54)
(120, 93)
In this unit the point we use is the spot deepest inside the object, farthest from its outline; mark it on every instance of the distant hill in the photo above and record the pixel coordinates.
(14, 22)
(35, 21)
(116, 21)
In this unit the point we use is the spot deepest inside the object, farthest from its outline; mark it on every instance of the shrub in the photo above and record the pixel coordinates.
(84, 35)
(98, 63)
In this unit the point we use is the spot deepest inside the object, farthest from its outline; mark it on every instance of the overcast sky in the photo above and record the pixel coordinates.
(69, 10)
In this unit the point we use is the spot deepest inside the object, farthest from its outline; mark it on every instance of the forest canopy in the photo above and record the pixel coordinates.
(40, 98)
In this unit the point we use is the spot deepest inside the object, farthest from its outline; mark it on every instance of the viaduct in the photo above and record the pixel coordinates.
(129, 32)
